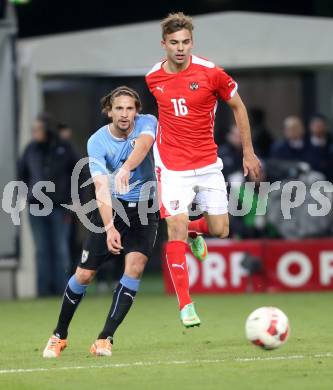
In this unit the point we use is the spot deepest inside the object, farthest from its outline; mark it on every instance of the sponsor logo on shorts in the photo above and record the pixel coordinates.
(84, 256)
(174, 204)
(194, 86)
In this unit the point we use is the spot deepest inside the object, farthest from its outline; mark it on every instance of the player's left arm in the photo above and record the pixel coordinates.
(251, 163)
(141, 148)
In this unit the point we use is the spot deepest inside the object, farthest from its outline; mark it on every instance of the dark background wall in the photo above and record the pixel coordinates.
(49, 16)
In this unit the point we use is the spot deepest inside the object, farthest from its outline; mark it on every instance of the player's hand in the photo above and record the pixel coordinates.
(121, 180)
(113, 240)
(251, 165)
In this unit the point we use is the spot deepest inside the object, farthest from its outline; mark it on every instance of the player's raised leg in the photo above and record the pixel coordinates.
(74, 292)
(123, 298)
(176, 260)
(212, 225)
(212, 200)
(218, 225)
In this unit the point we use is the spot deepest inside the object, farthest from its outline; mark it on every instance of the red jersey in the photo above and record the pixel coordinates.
(187, 103)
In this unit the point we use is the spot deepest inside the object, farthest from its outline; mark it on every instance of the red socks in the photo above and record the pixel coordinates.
(199, 226)
(176, 260)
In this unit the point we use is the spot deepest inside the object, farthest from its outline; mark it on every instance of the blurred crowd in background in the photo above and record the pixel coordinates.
(304, 152)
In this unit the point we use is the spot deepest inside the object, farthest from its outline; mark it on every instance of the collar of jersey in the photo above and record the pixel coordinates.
(118, 139)
(182, 71)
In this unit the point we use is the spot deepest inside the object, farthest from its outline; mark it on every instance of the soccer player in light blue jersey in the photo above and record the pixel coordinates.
(119, 151)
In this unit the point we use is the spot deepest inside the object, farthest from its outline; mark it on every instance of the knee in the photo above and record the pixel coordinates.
(225, 231)
(135, 268)
(177, 229)
(84, 276)
(220, 231)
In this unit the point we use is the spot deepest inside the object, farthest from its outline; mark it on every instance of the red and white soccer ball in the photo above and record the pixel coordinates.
(267, 327)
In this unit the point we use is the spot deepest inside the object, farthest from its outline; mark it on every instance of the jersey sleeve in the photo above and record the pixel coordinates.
(96, 153)
(151, 76)
(148, 82)
(149, 126)
(223, 84)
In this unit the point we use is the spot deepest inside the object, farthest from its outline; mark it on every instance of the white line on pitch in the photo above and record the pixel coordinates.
(168, 363)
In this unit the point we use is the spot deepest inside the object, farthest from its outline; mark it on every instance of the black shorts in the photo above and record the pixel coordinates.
(137, 237)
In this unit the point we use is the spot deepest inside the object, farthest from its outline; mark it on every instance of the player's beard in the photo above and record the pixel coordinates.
(123, 127)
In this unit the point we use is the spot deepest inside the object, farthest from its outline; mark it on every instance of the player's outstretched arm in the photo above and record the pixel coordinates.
(140, 151)
(251, 163)
(104, 203)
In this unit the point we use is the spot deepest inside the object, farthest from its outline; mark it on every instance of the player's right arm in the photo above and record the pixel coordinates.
(99, 173)
(140, 151)
(141, 148)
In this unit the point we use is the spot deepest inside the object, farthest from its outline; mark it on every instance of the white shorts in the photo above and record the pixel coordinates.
(204, 186)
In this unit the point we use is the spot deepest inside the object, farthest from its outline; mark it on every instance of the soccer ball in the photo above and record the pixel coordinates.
(267, 327)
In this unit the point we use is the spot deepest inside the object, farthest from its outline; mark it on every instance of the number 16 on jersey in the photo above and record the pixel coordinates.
(180, 107)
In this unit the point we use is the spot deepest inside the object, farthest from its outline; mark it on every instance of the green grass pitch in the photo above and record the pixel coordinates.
(153, 351)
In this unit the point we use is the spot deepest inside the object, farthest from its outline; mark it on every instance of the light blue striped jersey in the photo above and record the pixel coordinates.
(107, 154)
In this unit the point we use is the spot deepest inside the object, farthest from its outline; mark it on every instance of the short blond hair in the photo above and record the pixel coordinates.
(176, 22)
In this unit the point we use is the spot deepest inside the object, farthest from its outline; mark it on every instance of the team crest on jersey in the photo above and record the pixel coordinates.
(174, 204)
(194, 86)
(133, 143)
(84, 256)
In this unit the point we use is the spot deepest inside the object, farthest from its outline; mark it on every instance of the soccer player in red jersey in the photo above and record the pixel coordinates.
(186, 88)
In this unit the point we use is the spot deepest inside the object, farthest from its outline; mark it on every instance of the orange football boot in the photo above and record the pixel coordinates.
(101, 347)
(54, 347)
